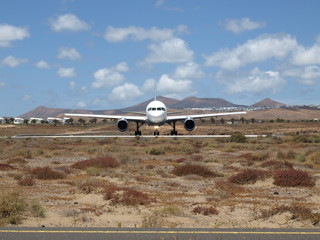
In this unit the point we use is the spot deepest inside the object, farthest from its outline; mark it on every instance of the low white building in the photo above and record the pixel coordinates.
(18, 121)
(35, 120)
(2, 120)
(52, 120)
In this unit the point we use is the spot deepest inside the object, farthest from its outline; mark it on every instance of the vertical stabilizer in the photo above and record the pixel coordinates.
(155, 89)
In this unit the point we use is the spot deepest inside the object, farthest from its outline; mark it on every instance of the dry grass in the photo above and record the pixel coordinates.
(137, 181)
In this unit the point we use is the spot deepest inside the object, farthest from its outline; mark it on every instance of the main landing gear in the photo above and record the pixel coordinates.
(138, 132)
(174, 131)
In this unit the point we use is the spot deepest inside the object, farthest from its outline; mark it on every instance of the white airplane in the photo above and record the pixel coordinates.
(156, 115)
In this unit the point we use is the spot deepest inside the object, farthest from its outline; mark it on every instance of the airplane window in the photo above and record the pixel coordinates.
(163, 109)
(159, 109)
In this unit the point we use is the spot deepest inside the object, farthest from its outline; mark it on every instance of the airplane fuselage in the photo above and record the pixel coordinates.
(156, 113)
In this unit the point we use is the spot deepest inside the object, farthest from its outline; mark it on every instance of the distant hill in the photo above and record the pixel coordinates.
(189, 102)
(194, 102)
(268, 102)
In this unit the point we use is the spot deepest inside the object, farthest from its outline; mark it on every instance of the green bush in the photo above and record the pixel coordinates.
(238, 138)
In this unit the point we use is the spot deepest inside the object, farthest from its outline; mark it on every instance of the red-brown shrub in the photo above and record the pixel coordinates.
(277, 165)
(100, 162)
(125, 196)
(293, 178)
(4, 166)
(248, 176)
(205, 211)
(195, 169)
(46, 173)
(26, 181)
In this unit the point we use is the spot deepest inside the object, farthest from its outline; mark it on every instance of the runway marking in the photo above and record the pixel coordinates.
(129, 136)
(159, 232)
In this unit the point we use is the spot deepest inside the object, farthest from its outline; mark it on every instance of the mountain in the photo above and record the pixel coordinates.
(189, 102)
(268, 102)
(194, 102)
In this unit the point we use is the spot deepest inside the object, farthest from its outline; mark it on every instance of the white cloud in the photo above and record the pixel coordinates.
(148, 85)
(68, 22)
(2, 84)
(81, 104)
(174, 88)
(139, 34)
(307, 56)
(125, 92)
(309, 75)
(159, 3)
(26, 97)
(105, 78)
(72, 85)
(70, 53)
(66, 72)
(169, 51)
(253, 51)
(240, 25)
(12, 61)
(9, 33)
(122, 67)
(42, 64)
(255, 81)
(189, 70)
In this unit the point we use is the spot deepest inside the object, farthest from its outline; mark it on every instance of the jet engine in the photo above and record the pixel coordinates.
(122, 125)
(189, 124)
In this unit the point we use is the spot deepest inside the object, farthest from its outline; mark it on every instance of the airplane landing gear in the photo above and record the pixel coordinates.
(138, 132)
(174, 131)
(156, 133)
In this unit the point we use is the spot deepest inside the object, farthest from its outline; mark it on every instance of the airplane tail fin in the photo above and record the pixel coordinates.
(155, 89)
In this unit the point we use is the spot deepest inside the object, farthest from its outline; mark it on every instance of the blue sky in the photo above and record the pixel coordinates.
(101, 54)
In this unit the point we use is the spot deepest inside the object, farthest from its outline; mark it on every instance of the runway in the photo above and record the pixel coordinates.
(156, 234)
(126, 136)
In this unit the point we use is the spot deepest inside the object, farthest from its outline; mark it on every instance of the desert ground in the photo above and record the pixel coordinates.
(270, 182)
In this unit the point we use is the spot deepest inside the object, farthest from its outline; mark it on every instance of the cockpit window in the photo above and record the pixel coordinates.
(149, 109)
(154, 109)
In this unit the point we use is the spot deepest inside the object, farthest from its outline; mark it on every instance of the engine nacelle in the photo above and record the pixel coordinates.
(189, 124)
(122, 125)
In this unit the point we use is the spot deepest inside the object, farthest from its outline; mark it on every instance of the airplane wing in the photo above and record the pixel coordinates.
(183, 117)
(129, 118)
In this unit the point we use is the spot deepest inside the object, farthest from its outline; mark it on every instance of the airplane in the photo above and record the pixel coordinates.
(155, 115)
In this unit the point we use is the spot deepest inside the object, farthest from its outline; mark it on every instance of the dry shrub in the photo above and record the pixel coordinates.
(17, 161)
(100, 162)
(286, 155)
(226, 189)
(297, 211)
(26, 181)
(205, 211)
(293, 178)
(91, 185)
(12, 206)
(259, 156)
(46, 173)
(4, 167)
(277, 165)
(195, 169)
(125, 196)
(248, 176)
(238, 138)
